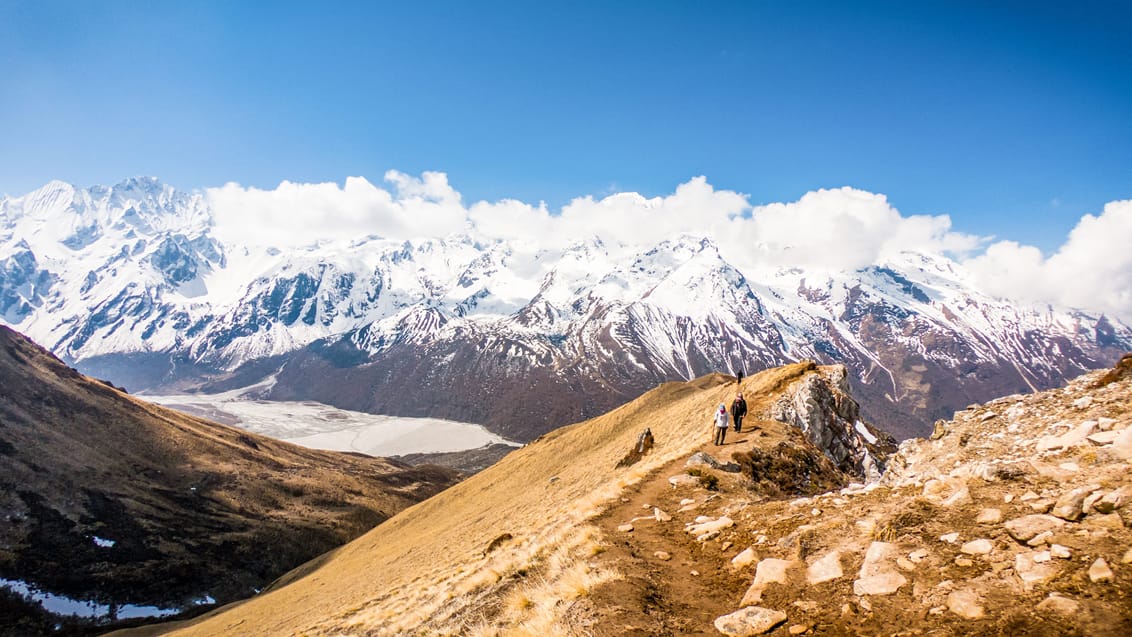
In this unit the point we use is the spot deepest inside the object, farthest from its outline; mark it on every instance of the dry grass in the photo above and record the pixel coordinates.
(367, 587)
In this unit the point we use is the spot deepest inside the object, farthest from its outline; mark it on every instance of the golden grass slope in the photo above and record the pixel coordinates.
(426, 570)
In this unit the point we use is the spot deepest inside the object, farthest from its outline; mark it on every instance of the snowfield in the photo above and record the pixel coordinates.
(318, 426)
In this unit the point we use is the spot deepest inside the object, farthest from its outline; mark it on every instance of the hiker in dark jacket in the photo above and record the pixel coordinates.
(738, 410)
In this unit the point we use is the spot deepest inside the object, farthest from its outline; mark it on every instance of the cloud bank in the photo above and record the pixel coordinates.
(834, 229)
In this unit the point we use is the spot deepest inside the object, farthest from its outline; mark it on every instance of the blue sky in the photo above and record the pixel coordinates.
(1015, 118)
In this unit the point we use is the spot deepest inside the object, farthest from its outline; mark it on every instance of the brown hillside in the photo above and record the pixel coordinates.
(194, 508)
(1015, 519)
(524, 526)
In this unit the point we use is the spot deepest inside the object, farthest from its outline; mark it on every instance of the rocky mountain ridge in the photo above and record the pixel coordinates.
(130, 283)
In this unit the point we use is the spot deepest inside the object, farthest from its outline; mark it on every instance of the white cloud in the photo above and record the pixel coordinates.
(1092, 270)
(835, 229)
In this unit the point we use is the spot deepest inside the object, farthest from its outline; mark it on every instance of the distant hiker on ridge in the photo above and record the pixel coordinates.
(738, 410)
(720, 424)
(739, 377)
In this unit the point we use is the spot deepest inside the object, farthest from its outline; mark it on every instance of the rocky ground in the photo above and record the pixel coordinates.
(1013, 519)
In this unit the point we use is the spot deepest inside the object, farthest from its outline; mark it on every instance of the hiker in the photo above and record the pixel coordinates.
(720, 424)
(738, 410)
(739, 377)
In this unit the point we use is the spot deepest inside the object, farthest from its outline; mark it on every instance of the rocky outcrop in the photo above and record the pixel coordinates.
(820, 405)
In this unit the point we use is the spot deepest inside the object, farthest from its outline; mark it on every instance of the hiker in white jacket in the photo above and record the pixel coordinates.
(721, 418)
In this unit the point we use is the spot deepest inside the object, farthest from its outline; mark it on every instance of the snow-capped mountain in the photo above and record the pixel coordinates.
(130, 283)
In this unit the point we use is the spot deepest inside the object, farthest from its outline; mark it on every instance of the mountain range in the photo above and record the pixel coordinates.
(132, 283)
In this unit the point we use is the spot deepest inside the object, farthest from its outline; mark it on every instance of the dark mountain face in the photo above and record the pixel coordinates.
(120, 503)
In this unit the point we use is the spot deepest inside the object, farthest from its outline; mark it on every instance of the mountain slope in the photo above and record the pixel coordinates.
(445, 564)
(1016, 518)
(118, 502)
(130, 283)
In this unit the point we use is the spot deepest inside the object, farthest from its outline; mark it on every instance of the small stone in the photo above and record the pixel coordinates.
(1060, 552)
(1027, 496)
(1127, 559)
(744, 558)
(865, 604)
(989, 516)
(1100, 572)
(752, 620)
(1008, 498)
(825, 569)
(964, 562)
(1059, 605)
(1083, 402)
(950, 538)
(806, 605)
(646, 506)
(687, 501)
(1041, 506)
(798, 629)
(726, 545)
(683, 479)
(1041, 557)
(1102, 438)
(663, 556)
(625, 528)
(1039, 539)
(980, 546)
(1105, 521)
(918, 555)
(1071, 467)
(709, 525)
(1091, 501)
(965, 603)
(694, 573)
(660, 516)
(905, 564)
(769, 571)
(815, 512)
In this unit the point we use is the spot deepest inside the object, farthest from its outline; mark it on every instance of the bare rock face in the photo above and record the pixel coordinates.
(752, 620)
(822, 408)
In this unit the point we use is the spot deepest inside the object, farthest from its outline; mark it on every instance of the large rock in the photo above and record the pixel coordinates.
(701, 459)
(1026, 527)
(1122, 446)
(1032, 573)
(769, 571)
(825, 569)
(1073, 437)
(1062, 606)
(1112, 500)
(1100, 572)
(966, 604)
(1070, 506)
(878, 575)
(752, 620)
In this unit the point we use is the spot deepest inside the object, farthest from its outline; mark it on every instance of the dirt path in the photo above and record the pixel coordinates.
(681, 595)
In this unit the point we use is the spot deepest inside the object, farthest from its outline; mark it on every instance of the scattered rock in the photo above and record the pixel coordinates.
(825, 569)
(964, 562)
(726, 545)
(683, 479)
(687, 501)
(1102, 438)
(1058, 605)
(1112, 500)
(660, 516)
(744, 558)
(905, 564)
(1070, 506)
(918, 555)
(625, 528)
(966, 604)
(664, 556)
(1031, 573)
(1083, 402)
(709, 526)
(1008, 498)
(950, 538)
(1026, 527)
(1127, 559)
(1041, 557)
(989, 516)
(769, 571)
(980, 546)
(878, 576)
(1071, 438)
(1122, 445)
(694, 573)
(1100, 572)
(701, 459)
(1039, 539)
(798, 629)
(1060, 552)
(1106, 521)
(752, 620)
